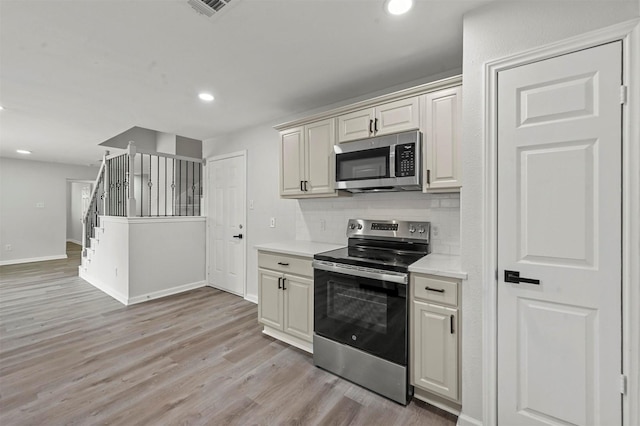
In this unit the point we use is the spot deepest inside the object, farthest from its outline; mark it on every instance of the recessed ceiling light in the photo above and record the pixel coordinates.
(23, 151)
(399, 7)
(207, 97)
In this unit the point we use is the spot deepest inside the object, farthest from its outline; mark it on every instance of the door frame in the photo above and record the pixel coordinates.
(208, 160)
(629, 33)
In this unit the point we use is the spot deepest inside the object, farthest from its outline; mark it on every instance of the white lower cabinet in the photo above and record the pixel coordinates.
(285, 298)
(435, 339)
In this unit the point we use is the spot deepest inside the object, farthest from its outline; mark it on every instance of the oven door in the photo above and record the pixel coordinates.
(367, 313)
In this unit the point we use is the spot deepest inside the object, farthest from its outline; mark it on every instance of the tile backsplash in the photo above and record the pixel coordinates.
(325, 219)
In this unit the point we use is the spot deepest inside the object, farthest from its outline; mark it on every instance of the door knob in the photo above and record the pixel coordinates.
(239, 236)
(515, 278)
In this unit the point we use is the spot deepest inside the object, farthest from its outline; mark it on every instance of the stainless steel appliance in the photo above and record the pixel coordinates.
(384, 163)
(361, 304)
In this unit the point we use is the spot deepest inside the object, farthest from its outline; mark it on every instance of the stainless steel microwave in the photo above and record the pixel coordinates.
(383, 163)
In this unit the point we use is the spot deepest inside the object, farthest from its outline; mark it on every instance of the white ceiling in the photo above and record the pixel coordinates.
(74, 73)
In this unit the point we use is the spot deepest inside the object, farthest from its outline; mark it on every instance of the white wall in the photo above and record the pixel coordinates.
(165, 254)
(35, 233)
(138, 259)
(492, 32)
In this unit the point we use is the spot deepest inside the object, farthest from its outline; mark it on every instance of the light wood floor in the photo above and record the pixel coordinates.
(70, 354)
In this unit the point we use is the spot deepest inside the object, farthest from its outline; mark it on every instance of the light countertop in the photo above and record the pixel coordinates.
(443, 265)
(298, 248)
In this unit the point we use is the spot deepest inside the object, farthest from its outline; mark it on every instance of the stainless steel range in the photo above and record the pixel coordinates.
(361, 304)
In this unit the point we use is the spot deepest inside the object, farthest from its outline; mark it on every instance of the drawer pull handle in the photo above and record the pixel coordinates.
(283, 264)
(439, 290)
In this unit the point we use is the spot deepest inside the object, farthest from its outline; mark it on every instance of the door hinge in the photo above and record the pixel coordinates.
(623, 384)
(623, 95)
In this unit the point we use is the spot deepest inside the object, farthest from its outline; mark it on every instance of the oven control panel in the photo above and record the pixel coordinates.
(377, 226)
(389, 228)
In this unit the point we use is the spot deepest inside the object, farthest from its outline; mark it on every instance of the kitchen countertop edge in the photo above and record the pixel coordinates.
(443, 265)
(298, 247)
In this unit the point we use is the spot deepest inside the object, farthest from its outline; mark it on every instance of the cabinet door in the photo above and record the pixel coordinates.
(355, 125)
(435, 349)
(319, 161)
(270, 309)
(442, 139)
(291, 161)
(398, 116)
(298, 307)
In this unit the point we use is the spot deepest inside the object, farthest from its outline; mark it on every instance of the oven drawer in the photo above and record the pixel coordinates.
(285, 263)
(435, 289)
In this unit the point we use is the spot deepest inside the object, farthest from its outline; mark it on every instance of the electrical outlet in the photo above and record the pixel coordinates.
(40, 205)
(8, 247)
(272, 222)
(323, 225)
(435, 230)
(250, 204)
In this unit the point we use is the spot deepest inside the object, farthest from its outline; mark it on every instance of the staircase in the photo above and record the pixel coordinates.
(143, 202)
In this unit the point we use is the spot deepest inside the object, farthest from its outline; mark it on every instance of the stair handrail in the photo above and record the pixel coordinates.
(93, 200)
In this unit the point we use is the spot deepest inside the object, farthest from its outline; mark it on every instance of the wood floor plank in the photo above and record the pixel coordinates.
(69, 354)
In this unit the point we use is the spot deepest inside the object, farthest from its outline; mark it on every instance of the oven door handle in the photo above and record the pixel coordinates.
(389, 276)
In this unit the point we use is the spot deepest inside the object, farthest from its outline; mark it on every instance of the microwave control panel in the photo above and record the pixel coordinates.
(405, 160)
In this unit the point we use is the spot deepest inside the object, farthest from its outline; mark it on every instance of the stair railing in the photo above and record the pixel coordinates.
(139, 183)
(95, 209)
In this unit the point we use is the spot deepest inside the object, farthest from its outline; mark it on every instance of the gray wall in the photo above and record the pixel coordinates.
(492, 32)
(35, 232)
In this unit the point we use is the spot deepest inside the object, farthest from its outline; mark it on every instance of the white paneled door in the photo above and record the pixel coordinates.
(559, 227)
(226, 223)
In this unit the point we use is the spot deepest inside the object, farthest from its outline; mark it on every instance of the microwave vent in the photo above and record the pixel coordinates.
(210, 8)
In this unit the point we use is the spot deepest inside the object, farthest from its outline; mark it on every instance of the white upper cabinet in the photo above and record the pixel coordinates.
(320, 164)
(384, 119)
(307, 161)
(292, 161)
(443, 110)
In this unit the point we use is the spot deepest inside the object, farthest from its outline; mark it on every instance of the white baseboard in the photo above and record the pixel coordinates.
(69, 240)
(104, 288)
(464, 420)
(253, 298)
(293, 341)
(32, 259)
(166, 292)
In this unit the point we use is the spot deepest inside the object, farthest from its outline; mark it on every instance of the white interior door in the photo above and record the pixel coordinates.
(559, 222)
(226, 223)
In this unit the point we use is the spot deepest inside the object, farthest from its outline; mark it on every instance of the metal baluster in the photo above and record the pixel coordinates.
(127, 178)
(158, 188)
(199, 187)
(179, 187)
(141, 186)
(193, 188)
(165, 186)
(150, 184)
(173, 187)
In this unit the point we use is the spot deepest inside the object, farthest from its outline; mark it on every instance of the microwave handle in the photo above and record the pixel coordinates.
(392, 161)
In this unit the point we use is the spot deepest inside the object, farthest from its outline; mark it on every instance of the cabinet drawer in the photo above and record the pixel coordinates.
(435, 289)
(285, 263)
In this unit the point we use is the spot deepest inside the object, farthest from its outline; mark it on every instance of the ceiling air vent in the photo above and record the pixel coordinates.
(209, 7)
